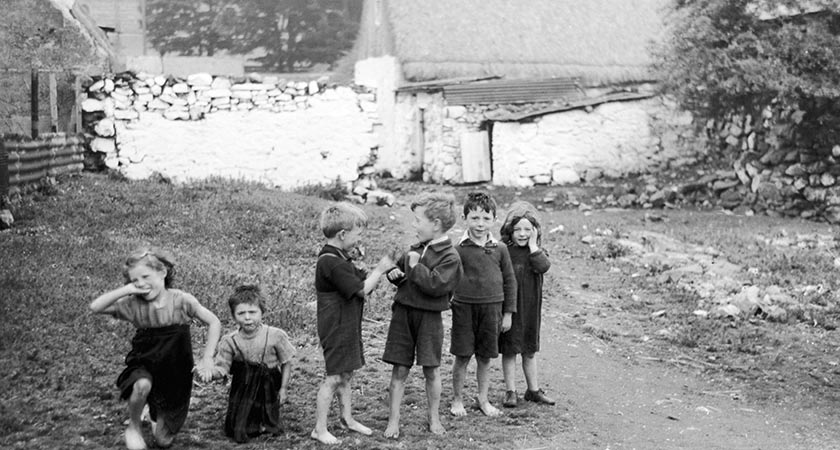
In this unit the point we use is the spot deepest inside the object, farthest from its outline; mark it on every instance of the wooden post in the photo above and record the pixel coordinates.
(33, 103)
(77, 104)
(53, 103)
(4, 171)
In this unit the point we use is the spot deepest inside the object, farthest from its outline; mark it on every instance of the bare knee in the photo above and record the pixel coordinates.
(431, 373)
(142, 387)
(399, 373)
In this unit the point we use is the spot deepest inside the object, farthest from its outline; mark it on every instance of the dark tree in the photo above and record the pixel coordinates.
(287, 34)
(187, 27)
(726, 57)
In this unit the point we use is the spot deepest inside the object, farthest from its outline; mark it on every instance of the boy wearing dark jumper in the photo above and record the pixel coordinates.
(425, 278)
(484, 301)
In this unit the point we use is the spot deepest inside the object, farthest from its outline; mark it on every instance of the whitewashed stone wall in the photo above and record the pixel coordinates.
(330, 139)
(611, 139)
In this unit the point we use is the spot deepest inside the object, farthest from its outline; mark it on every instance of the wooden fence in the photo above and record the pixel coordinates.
(26, 162)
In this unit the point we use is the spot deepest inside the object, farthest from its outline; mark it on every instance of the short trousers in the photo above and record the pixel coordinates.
(475, 329)
(414, 332)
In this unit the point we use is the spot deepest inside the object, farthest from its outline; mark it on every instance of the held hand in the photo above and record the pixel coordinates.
(204, 370)
(395, 275)
(507, 321)
(413, 259)
(384, 264)
(284, 397)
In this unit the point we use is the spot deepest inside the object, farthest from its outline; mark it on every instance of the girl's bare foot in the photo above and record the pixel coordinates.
(351, 424)
(457, 408)
(325, 438)
(134, 439)
(488, 409)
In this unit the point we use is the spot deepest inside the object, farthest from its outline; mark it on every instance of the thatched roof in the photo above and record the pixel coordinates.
(79, 17)
(601, 41)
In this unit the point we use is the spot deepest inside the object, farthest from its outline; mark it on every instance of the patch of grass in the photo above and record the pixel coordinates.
(58, 362)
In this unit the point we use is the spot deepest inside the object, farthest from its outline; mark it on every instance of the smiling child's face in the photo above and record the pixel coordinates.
(479, 223)
(522, 232)
(148, 279)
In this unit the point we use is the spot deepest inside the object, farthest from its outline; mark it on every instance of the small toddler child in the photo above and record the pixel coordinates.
(259, 358)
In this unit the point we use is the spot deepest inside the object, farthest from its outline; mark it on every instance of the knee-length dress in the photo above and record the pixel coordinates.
(524, 334)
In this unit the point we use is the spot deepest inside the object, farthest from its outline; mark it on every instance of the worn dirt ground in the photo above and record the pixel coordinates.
(620, 383)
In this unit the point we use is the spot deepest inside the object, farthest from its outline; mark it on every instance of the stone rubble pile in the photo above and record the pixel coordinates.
(723, 288)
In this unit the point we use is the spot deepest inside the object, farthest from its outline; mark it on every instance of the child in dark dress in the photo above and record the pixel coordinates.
(341, 289)
(259, 358)
(521, 232)
(160, 363)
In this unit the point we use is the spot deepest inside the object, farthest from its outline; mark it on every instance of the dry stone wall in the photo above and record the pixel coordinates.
(286, 134)
(770, 174)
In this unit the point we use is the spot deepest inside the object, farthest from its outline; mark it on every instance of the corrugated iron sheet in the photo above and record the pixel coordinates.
(28, 162)
(574, 104)
(513, 91)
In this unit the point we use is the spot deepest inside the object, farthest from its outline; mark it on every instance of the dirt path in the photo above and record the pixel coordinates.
(613, 396)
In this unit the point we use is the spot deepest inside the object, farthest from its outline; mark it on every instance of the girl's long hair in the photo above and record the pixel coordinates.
(518, 211)
(155, 258)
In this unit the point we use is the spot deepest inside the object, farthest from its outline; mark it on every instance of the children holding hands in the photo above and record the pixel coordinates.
(159, 366)
(425, 277)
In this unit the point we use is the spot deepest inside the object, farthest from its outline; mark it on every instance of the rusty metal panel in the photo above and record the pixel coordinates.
(513, 91)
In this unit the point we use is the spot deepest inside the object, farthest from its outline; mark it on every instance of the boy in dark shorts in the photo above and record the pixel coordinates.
(425, 278)
(484, 301)
(341, 289)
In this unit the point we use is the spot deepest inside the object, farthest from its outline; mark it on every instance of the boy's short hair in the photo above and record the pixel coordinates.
(480, 201)
(249, 294)
(341, 216)
(438, 207)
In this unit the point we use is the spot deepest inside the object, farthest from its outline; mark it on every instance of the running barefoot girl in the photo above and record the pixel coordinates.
(160, 363)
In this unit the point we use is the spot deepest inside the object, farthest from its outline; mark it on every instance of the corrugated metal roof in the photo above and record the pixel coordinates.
(513, 91)
(580, 103)
(436, 85)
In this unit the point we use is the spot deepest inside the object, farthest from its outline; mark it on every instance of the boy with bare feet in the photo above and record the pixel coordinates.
(425, 278)
(484, 301)
(341, 291)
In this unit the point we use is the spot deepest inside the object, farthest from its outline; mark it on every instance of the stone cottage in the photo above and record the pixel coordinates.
(61, 43)
(548, 91)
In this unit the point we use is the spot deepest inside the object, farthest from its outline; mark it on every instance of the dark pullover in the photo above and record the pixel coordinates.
(430, 283)
(488, 275)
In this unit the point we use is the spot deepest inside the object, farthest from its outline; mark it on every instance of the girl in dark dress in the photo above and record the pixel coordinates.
(521, 232)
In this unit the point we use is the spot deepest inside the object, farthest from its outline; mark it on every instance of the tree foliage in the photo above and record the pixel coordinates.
(286, 34)
(724, 57)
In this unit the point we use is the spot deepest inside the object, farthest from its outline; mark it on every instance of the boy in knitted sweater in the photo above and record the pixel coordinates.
(484, 301)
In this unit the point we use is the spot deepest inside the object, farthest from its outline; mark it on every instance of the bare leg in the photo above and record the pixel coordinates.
(133, 434)
(459, 374)
(396, 390)
(433, 389)
(509, 370)
(344, 391)
(322, 408)
(482, 374)
(529, 366)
